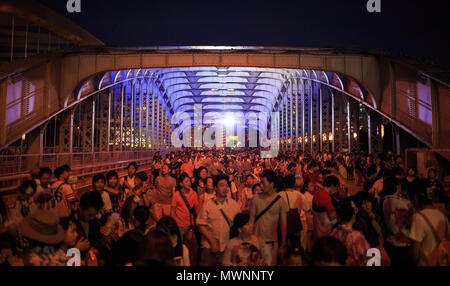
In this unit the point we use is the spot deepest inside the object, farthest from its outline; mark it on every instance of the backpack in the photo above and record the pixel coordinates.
(440, 256)
(294, 223)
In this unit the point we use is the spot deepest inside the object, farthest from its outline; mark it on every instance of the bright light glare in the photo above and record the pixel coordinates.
(229, 120)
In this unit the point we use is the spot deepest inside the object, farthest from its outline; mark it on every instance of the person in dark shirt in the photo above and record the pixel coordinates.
(410, 180)
(371, 178)
(434, 186)
(366, 221)
(88, 225)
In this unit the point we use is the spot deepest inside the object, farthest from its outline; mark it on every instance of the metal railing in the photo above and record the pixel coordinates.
(16, 168)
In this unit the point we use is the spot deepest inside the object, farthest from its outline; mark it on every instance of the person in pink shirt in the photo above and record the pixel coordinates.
(185, 205)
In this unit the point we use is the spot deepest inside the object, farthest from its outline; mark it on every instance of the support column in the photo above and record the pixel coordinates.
(108, 133)
(104, 101)
(311, 118)
(302, 101)
(397, 139)
(153, 116)
(369, 131)
(158, 124)
(285, 116)
(342, 122)
(320, 120)
(349, 139)
(116, 118)
(122, 102)
(147, 103)
(333, 137)
(141, 94)
(87, 128)
(354, 122)
(291, 106)
(93, 126)
(296, 113)
(132, 112)
(36, 148)
(375, 141)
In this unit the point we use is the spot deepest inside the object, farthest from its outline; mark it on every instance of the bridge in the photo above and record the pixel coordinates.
(65, 97)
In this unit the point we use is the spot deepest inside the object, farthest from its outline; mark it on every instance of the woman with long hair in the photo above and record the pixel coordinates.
(126, 217)
(180, 250)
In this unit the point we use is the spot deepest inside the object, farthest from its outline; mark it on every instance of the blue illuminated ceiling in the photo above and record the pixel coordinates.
(219, 90)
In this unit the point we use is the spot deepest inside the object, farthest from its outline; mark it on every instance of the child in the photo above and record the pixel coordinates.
(240, 232)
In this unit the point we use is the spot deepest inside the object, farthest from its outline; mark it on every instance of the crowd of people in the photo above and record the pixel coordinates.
(213, 207)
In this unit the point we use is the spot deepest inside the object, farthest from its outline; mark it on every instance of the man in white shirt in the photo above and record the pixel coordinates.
(397, 211)
(428, 223)
(63, 194)
(267, 224)
(214, 222)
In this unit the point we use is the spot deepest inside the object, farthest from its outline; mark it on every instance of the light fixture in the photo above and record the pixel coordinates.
(382, 131)
(330, 136)
(229, 120)
(24, 136)
(355, 135)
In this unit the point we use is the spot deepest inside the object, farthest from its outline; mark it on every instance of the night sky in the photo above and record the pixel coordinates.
(412, 28)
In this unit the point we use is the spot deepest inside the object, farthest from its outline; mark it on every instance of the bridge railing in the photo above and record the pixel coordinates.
(16, 168)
